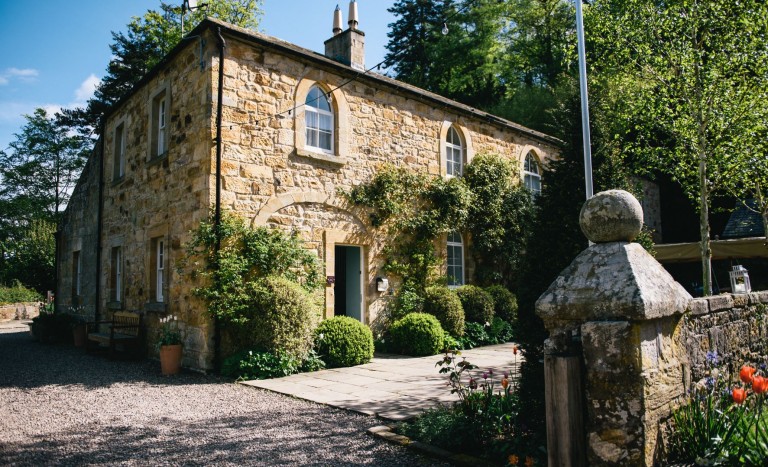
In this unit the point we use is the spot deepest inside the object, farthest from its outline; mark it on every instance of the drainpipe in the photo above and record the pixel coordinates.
(217, 214)
(99, 227)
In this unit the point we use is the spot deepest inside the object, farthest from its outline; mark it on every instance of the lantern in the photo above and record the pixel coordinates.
(740, 280)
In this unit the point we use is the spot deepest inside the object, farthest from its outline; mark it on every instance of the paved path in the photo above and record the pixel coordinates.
(391, 386)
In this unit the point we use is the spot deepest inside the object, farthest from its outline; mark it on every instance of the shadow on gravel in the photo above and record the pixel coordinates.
(264, 439)
(26, 363)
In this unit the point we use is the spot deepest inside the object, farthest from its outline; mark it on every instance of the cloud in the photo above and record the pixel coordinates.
(26, 75)
(86, 89)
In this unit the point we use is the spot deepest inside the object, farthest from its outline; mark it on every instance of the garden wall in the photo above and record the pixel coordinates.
(734, 326)
(13, 311)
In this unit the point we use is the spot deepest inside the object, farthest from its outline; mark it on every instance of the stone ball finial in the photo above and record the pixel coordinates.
(611, 216)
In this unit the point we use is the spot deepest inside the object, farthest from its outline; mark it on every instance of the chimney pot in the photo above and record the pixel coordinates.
(337, 20)
(352, 15)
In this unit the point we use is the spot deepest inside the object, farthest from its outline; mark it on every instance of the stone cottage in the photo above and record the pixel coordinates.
(272, 132)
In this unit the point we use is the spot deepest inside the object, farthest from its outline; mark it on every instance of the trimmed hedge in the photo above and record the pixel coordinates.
(280, 316)
(477, 304)
(343, 341)
(417, 334)
(504, 303)
(446, 306)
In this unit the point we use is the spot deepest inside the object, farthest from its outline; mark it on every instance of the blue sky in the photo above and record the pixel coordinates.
(54, 52)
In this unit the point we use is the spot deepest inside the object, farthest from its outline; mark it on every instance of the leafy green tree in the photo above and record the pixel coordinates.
(38, 173)
(145, 42)
(461, 64)
(687, 83)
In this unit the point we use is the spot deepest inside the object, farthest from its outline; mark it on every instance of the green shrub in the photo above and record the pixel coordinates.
(475, 335)
(343, 341)
(417, 334)
(477, 304)
(17, 293)
(501, 331)
(407, 301)
(446, 306)
(504, 303)
(53, 328)
(279, 315)
(260, 365)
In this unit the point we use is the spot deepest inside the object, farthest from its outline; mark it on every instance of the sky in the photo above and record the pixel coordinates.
(55, 52)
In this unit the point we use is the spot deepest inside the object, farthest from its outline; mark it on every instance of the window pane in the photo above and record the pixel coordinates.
(326, 122)
(325, 140)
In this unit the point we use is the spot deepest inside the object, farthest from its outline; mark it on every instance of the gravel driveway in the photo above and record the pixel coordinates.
(59, 406)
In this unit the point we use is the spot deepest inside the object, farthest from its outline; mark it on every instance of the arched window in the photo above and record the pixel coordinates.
(532, 174)
(318, 117)
(455, 256)
(454, 153)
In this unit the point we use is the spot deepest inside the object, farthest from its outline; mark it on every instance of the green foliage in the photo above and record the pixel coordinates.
(169, 333)
(477, 304)
(259, 287)
(38, 172)
(278, 315)
(417, 334)
(414, 209)
(443, 303)
(504, 303)
(342, 341)
(475, 335)
(407, 301)
(145, 41)
(17, 293)
(500, 217)
(686, 86)
(251, 364)
(53, 328)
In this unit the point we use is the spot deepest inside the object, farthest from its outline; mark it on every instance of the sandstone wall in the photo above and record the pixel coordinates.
(16, 311)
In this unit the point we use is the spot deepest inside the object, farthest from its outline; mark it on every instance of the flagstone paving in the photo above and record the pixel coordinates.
(392, 387)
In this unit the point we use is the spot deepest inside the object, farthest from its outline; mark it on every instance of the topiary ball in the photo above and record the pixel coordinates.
(343, 341)
(446, 306)
(477, 304)
(504, 302)
(417, 334)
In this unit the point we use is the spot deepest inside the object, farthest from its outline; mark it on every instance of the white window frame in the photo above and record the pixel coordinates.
(532, 174)
(117, 263)
(311, 111)
(451, 246)
(160, 270)
(78, 274)
(162, 109)
(454, 167)
(119, 156)
(159, 113)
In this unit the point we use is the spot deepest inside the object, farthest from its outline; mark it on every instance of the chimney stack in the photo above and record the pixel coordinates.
(347, 47)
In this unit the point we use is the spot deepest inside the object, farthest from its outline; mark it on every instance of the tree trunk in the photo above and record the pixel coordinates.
(706, 253)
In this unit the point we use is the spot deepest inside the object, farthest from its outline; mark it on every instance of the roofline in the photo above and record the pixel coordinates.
(290, 49)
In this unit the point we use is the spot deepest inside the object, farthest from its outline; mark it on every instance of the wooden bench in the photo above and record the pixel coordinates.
(122, 332)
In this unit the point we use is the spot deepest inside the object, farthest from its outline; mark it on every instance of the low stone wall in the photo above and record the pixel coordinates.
(734, 326)
(19, 311)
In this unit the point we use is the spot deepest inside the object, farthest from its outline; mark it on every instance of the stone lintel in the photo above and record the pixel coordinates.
(613, 281)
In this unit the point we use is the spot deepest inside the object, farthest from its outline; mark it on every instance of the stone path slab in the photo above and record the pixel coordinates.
(392, 387)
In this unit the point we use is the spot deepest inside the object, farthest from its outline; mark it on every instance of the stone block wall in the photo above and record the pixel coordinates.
(734, 326)
(16, 311)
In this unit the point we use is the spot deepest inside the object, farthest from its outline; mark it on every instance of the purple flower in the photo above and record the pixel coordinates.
(490, 371)
(505, 374)
(712, 358)
(485, 375)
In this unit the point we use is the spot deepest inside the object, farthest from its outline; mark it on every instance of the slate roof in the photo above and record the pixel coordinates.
(744, 222)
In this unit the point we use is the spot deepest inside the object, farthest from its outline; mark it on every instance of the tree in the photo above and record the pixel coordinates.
(146, 41)
(38, 172)
(461, 64)
(688, 84)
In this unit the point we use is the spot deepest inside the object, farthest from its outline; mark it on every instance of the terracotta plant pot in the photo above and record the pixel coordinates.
(170, 359)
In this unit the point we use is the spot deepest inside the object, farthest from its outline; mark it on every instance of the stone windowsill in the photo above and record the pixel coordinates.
(319, 156)
(118, 181)
(158, 160)
(114, 305)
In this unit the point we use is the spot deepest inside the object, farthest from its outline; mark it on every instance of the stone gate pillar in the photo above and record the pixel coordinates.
(616, 309)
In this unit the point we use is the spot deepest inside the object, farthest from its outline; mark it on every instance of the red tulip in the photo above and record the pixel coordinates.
(514, 349)
(739, 395)
(759, 384)
(746, 373)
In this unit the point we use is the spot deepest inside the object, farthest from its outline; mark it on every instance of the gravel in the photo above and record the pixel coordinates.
(59, 406)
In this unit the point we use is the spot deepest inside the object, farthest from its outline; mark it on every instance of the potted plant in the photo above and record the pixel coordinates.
(78, 324)
(169, 343)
